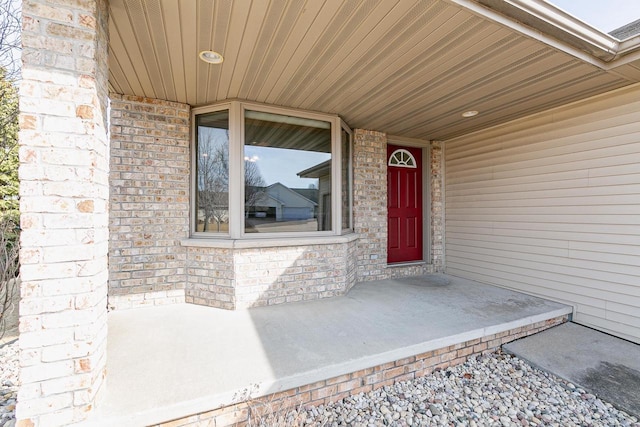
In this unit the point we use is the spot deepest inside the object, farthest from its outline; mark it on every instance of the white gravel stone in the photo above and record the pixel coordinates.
(9, 377)
(491, 390)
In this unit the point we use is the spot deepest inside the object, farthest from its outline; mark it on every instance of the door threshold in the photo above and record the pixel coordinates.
(406, 264)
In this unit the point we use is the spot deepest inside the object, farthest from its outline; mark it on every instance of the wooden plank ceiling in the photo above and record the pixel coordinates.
(408, 68)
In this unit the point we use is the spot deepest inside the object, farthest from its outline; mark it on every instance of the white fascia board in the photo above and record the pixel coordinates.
(629, 45)
(568, 23)
(565, 23)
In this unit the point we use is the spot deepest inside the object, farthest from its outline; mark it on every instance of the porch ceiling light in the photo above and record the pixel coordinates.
(211, 57)
(470, 113)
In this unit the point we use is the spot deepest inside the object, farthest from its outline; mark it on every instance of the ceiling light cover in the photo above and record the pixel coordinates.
(470, 113)
(211, 57)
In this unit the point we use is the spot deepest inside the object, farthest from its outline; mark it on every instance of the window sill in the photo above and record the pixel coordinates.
(266, 243)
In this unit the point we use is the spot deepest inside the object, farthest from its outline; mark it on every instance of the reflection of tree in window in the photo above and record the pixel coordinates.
(253, 186)
(213, 176)
(213, 179)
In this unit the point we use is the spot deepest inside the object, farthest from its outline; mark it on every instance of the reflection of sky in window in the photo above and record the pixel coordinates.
(282, 165)
(275, 164)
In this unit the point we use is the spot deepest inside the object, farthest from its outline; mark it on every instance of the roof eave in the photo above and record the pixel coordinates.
(553, 26)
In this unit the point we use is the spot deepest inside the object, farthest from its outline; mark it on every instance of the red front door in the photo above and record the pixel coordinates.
(404, 202)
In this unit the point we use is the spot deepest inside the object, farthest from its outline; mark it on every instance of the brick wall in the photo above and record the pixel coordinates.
(252, 277)
(211, 277)
(436, 185)
(149, 200)
(268, 276)
(370, 203)
(64, 167)
(149, 205)
(352, 265)
(362, 381)
(418, 269)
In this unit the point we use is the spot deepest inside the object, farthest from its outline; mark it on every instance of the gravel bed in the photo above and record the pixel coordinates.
(8, 383)
(490, 390)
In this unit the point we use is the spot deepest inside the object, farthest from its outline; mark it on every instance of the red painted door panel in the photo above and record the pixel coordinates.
(404, 204)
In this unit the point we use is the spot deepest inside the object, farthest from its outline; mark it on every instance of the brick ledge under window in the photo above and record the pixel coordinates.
(267, 242)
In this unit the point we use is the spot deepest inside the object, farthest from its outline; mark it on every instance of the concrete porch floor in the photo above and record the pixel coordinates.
(172, 361)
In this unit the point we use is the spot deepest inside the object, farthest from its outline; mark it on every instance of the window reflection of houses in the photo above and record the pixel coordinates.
(322, 172)
(280, 208)
(284, 204)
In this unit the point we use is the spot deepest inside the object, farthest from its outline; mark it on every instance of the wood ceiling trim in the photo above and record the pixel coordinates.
(263, 47)
(332, 16)
(157, 38)
(391, 86)
(204, 41)
(143, 57)
(355, 34)
(448, 59)
(188, 31)
(117, 78)
(129, 72)
(473, 95)
(240, 11)
(344, 27)
(257, 20)
(301, 26)
(274, 50)
(219, 41)
(384, 45)
(171, 18)
(371, 76)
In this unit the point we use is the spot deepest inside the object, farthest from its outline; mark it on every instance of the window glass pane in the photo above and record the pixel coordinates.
(212, 172)
(287, 178)
(346, 179)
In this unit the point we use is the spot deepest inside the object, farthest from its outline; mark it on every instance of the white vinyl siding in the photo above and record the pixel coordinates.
(550, 205)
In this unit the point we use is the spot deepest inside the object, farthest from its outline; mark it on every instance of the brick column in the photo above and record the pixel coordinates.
(64, 155)
(370, 203)
(437, 206)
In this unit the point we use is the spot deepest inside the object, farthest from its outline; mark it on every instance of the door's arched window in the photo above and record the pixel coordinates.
(402, 158)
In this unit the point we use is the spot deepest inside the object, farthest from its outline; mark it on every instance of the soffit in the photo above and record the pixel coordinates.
(408, 68)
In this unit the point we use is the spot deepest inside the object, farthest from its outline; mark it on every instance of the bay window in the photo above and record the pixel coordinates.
(269, 172)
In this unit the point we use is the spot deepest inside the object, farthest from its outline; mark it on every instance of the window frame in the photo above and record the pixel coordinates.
(236, 231)
(349, 131)
(193, 170)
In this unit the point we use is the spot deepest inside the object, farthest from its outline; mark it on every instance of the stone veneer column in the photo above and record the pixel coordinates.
(370, 203)
(64, 189)
(437, 206)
